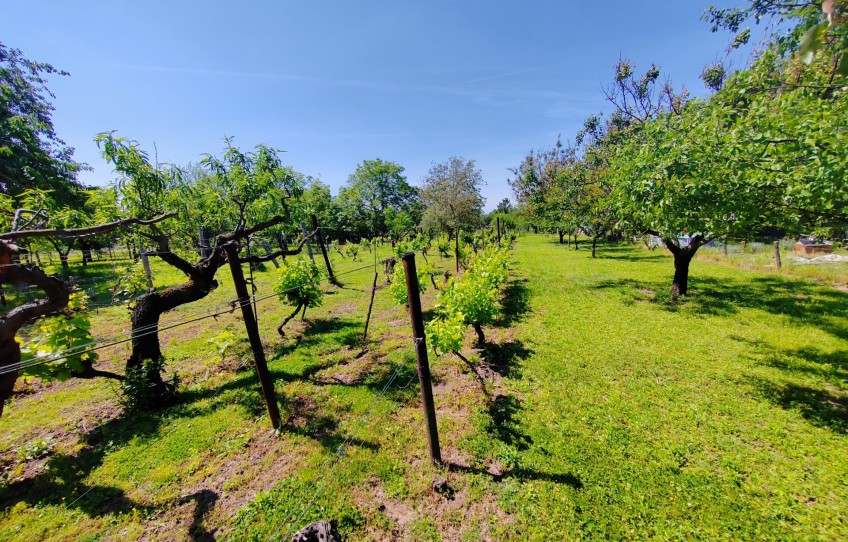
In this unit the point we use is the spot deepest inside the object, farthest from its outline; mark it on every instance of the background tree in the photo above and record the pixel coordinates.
(451, 196)
(377, 198)
(31, 154)
(504, 206)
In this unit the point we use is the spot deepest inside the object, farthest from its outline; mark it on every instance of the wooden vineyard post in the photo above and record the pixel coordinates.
(498, 221)
(323, 249)
(414, 298)
(267, 250)
(146, 263)
(456, 251)
(777, 254)
(265, 380)
(308, 242)
(370, 306)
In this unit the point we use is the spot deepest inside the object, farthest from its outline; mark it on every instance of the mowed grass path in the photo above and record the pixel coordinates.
(719, 418)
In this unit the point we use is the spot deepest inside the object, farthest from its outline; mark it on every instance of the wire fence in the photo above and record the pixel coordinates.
(143, 331)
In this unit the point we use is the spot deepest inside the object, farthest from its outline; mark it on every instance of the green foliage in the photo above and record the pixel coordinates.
(397, 288)
(142, 389)
(475, 299)
(352, 251)
(56, 334)
(221, 343)
(129, 281)
(31, 154)
(490, 267)
(446, 334)
(298, 281)
(471, 299)
(378, 200)
(451, 195)
(444, 246)
(36, 449)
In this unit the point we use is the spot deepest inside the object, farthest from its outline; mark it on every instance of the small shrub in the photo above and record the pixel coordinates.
(297, 283)
(143, 388)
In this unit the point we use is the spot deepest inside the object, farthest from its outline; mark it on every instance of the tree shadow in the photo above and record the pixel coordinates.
(61, 482)
(515, 303)
(521, 474)
(205, 499)
(503, 424)
(821, 408)
(803, 302)
(337, 331)
(625, 252)
(832, 367)
(505, 358)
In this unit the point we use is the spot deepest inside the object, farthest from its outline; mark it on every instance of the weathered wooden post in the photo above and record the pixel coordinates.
(498, 221)
(308, 242)
(267, 250)
(777, 254)
(414, 298)
(145, 261)
(370, 306)
(456, 251)
(323, 247)
(265, 380)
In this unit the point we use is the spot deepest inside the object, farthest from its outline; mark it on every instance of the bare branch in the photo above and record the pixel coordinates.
(75, 233)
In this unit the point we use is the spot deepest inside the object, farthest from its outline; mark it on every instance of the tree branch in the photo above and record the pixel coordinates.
(276, 254)
(75, 233)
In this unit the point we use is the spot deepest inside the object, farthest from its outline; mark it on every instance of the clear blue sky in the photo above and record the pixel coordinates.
(335, 83)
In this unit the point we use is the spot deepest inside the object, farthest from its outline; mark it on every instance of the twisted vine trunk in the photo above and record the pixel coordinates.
(481, 339)
(11, 322)
(145, 321)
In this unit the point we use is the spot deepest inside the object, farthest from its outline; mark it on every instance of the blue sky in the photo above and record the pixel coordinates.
(335, 83)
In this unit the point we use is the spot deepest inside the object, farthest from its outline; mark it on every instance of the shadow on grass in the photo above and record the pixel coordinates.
(515, 303)
(625, 252)
(522, 474)
(821, 408)
(331, 331)
(505, 358)
(808, 360)
(503, 425)
(61, 482)
(206, 499)
(806, 303)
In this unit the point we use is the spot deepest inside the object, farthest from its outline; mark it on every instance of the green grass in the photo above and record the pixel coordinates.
(606, 410)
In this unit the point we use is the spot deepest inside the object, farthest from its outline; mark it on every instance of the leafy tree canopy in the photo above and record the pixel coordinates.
(32, 156)
(451, 195)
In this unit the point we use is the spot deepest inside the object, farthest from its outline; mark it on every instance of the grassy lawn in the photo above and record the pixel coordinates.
(601, 410)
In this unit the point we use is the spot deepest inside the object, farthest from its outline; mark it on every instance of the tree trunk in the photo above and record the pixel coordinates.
(10, 353)
(575, 240)
(594, 244)
(481, 339)
(145, 321)
(680, 284)
(561, 234)
(682, 259)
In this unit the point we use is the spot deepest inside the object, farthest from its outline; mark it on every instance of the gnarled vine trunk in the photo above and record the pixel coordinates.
(11, 322)
(145, 320)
